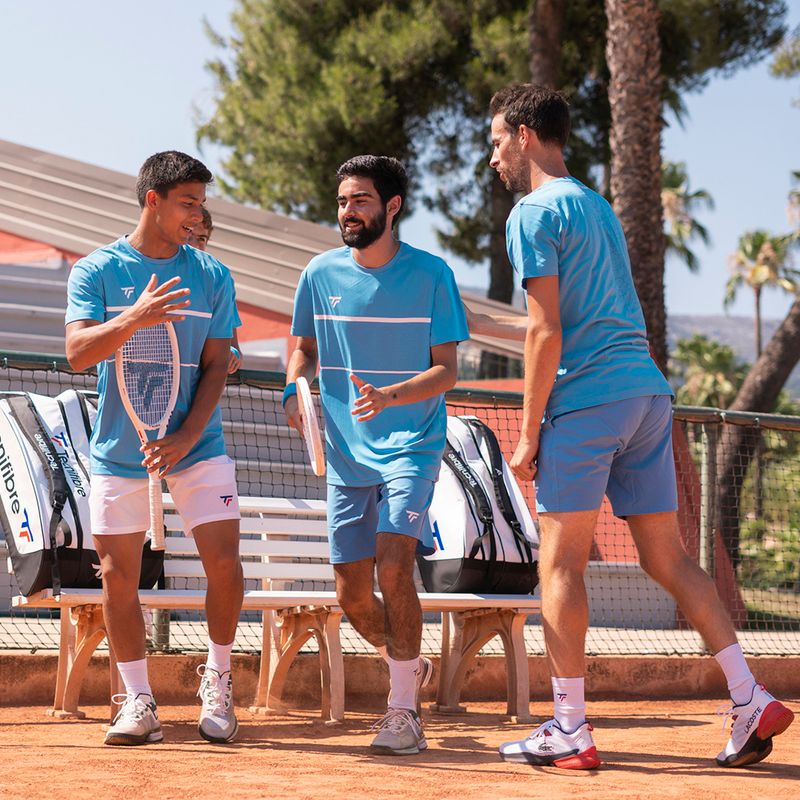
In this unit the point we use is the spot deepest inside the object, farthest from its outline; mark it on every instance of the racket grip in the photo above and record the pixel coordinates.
(156, 513)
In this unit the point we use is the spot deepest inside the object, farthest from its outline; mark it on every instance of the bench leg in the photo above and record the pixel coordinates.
(82, 630)
(331, 668)
(464, 633)
(296, 627)
(517, 674)
(270, 655)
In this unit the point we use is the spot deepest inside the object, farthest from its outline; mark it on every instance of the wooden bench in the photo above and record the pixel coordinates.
(273, 554)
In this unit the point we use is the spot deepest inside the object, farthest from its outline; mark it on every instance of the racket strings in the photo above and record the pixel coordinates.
(147, 370)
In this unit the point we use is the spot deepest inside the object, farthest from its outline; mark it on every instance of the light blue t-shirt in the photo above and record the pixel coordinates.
(564, 228)
(104, 284)
(379, 324)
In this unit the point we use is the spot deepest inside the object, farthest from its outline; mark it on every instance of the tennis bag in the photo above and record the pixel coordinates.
(44, 486)
(486, 540)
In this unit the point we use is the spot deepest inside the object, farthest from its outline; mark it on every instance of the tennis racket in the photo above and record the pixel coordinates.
(148, 375)
(316, 455)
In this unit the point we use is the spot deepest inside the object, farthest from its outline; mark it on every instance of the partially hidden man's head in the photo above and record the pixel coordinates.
(525, 119)
(371, 196)
(201, 232)
(171, 189)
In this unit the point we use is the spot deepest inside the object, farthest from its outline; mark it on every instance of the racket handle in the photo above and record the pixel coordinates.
(156, 513)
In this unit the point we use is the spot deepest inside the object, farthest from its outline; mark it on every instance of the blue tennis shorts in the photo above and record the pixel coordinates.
(357, 514)
(622, 450)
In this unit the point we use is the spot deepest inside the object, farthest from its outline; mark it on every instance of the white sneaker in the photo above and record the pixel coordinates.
(136, 722)
(218, 722)
(753, 726)
(549, 745)
(399, 734)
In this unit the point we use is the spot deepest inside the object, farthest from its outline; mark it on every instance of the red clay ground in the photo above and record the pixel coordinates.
(649, 750)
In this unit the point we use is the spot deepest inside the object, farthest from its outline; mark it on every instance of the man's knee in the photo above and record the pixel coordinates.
(120, 578)
(225, 568)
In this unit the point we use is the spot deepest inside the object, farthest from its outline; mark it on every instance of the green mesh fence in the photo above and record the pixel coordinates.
(739, 491)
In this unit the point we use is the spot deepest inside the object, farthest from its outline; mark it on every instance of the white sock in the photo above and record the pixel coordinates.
(403, 683)
(219, 657)
(569, 703)
(134, 676)
(383, 653)
(737, 673)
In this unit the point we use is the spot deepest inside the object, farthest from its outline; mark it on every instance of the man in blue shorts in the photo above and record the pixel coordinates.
(596, 421)
(383, 320)
(140, 280)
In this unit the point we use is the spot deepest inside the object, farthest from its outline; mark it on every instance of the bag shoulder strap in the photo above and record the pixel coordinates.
(472, 486)
(31, 427)
(500, 488)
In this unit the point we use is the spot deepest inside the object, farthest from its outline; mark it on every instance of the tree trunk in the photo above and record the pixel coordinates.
(759, 392)
(545, 24)
(633, 54)
(501, 273)
(757, 322)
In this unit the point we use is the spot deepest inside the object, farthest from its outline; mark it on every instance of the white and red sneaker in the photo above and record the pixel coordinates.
(549, 745)
(753, 726)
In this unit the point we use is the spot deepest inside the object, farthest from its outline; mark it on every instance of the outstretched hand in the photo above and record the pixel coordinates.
(158, 304)
(371, 402)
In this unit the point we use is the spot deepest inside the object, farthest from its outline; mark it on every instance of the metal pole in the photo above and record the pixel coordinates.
(708, 495)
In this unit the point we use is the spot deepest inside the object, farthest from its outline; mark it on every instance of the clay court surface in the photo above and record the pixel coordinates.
(649, 750)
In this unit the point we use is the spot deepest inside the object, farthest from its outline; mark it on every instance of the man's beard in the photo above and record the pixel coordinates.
(369, 232)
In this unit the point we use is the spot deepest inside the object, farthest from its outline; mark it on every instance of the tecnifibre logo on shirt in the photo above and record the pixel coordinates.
(335, 300)
(127, 291)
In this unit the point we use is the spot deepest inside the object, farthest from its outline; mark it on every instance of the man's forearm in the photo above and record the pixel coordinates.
(95, 343)
(301, 364)
(437, 379)
(542, 357)
(500, 327)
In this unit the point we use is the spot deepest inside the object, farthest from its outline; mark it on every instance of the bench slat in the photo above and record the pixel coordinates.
(262, 570)
(255, 599)
(266, 525)
(271, 505)
(184, 545)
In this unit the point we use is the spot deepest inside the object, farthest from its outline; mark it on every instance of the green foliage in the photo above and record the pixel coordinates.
(760, 260)
(786, 63)
(302, 85)
(705, 372)
(680, 204)
(770, 555)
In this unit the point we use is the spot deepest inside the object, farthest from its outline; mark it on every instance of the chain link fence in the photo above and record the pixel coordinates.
(739, 494)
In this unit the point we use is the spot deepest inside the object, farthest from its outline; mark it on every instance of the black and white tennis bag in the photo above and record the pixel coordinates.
(486, 540)
(44, 485)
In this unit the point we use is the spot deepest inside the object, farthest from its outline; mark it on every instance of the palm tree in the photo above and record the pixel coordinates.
(761, 260)
(633, 55)
(680, 205)
(708, 372)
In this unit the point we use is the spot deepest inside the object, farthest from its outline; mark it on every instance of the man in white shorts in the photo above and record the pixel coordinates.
(142, 279)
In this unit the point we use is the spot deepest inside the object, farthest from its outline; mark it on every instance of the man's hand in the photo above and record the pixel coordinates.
(234, 362)
(523, 462)
(162, 455)
(371, 402)
(292, 410)
(156, 303)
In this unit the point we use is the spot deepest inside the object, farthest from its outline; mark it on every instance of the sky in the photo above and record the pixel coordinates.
(88, 81)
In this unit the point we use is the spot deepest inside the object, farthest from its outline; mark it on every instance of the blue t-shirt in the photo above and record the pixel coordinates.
(564, 228)
(379, 324)
(104, 284)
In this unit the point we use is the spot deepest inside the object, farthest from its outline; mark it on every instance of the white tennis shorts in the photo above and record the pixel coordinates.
(204, 492)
